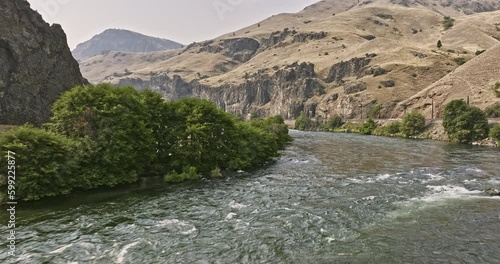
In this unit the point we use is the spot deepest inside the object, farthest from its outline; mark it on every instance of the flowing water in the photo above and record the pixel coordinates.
(331, 198)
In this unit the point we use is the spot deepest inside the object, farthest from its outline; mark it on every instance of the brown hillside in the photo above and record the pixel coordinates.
(330, 58)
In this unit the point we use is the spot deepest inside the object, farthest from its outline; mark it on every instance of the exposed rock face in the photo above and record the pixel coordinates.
(283, 93)
(36, 65)
(121, 40)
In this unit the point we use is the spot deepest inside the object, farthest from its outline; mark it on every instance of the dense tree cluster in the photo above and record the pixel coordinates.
(464, 123)
(106, 136)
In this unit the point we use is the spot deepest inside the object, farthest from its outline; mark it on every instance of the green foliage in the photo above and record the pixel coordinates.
(495, 133)
(333, 123)
(394, 128)
(493, 111)
(479, 52)
(460, 61)
(496, 89)
(413, 124)
(44, 162)
(448, 22)
(189, 173)
(111, 122)
(375, 111)
(303, 122)
(350, 127)
(368, 127)
(105, 136)
(439, 44)
(463, 123)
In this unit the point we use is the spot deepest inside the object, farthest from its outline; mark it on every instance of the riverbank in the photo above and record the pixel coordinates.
(434, 129)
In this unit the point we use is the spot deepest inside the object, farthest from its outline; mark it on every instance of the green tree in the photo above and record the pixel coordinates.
(44, 162)
(303, 122)
(413, 124)
(368, 127)
(493, 111)
(495, 133)
(394, 128)
(334, 122)
(111, 123)
(463, 123)
(439, 44)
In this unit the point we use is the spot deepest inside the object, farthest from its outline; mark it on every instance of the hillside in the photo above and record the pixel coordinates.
(334, 57)
(121, 40)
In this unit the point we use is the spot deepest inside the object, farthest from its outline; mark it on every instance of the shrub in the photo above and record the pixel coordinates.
(439, 44)
(413, 124)
(460, 61)
(368, 127)
(334, 122)
(463, 123)
(448, 22)
(394, 128)
(493, 111)
(44, 162)
(350, 127)
(479, 52)
(496, 89)
(303, 122)
(495, 133)
(189, 173)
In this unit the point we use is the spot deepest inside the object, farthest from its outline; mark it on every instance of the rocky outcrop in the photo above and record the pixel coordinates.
(239, 49)
(356, 67)
(36, 65)
(121, 40)
(282, 93)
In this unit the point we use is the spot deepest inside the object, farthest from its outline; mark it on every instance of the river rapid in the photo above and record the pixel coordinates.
(330, 198)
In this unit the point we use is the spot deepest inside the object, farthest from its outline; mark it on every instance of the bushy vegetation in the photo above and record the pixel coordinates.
(44, 162)
(413, 124)
(493, 111)
(448, 22)
(391, 129)
(463, 123)
(333, 123)
(106, 136)
(439, 44)
(303, 122)
(496, 89)
(368, 127)
(495, 133)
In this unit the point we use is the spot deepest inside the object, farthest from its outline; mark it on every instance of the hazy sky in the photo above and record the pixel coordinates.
(184, 21)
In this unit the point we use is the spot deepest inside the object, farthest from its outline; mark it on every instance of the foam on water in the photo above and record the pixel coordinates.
(120, 257)
(61, 249)
(446, 192)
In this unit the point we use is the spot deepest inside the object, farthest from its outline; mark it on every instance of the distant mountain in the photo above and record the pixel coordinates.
(121, 40)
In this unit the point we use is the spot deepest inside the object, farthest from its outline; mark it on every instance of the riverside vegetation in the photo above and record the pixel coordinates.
(463, 124)
(103, 136)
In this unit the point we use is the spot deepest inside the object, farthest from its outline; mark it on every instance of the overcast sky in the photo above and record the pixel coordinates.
(183, 21)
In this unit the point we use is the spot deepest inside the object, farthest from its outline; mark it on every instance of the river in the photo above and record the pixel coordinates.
(330, 198)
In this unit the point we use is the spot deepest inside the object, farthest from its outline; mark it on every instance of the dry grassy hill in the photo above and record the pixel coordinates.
(334, 57)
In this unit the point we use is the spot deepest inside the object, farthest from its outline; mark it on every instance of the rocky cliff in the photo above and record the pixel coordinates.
(36, 65)
(121, 40)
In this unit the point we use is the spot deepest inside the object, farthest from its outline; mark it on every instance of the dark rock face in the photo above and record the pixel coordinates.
(121, 40)
(283, 93)
(355, 67)
(36, 65)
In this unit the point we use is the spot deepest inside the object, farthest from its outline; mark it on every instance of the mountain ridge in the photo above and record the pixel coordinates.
(121, 40)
